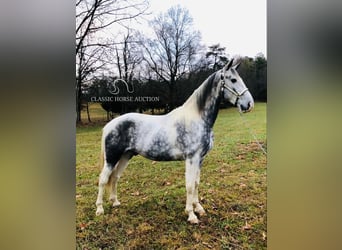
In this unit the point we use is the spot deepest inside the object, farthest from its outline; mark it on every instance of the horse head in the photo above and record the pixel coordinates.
(234, 89)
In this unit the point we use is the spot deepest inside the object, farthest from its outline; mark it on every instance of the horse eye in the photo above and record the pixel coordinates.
(233, 80)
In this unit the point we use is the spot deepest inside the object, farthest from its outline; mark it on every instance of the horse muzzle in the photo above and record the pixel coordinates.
(246, 108)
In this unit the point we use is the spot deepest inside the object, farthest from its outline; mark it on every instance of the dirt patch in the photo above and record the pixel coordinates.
(250, 149)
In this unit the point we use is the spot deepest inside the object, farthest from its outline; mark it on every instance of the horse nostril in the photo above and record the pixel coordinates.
(250, 105)
(246, 108)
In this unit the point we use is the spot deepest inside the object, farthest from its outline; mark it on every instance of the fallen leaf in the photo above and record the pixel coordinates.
(83, 226)
(196, 236)
(210, 191)
(243, 185)
(264, 236)
(207, 244)
(247, 226)
(129, 231)
(144, 227)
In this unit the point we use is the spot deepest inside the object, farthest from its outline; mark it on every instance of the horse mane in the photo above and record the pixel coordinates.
(201, 93)
(199, 100)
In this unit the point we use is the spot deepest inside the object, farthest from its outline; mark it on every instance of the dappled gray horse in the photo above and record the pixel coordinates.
(186, 133)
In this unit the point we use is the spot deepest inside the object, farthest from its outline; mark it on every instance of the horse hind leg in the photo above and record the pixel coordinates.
(115, 176)
(103, 181)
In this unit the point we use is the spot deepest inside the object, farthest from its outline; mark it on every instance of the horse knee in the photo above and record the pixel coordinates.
(190, 189)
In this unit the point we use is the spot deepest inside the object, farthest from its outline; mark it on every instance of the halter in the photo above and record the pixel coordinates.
(234, 92)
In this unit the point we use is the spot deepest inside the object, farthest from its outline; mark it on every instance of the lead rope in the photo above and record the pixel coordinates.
(253, 134)
(240, 112)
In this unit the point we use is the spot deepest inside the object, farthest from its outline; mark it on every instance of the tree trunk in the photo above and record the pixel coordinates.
(88, 112)
(78, 101)
(172, 93)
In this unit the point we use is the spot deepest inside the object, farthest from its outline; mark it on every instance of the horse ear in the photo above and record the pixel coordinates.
(236, 66)
(228, 65)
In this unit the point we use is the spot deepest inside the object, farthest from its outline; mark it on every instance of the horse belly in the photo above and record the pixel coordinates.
(164, 156)
(159, 145)
(159, 150)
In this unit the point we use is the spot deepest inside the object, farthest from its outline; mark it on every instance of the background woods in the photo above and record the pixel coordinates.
(168, 62)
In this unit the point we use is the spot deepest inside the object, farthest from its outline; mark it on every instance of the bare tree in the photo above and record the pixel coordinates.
(127, 56)
(88, 61)
(217, 56)
(174, 46)
(93, 16)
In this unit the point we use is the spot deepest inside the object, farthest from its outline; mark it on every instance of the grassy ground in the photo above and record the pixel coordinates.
(152, 194)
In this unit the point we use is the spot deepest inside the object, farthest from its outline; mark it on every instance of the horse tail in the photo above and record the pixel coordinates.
(102, 156)
(102, 151)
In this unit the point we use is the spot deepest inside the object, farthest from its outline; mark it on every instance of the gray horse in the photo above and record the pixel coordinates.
(186, 133)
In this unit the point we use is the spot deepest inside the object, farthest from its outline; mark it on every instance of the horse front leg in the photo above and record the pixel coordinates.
(198, 208)
(192, 168)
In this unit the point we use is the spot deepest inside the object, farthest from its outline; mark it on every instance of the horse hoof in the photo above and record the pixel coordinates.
(99, 211)
(201, 213)
(194, 221)
(116, 203)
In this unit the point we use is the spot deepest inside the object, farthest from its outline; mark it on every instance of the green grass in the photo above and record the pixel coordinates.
(152, 194)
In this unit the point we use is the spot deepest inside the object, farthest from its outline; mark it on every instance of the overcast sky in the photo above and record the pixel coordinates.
(238, 25)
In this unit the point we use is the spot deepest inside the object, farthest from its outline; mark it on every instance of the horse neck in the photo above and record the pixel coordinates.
(206, 99)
